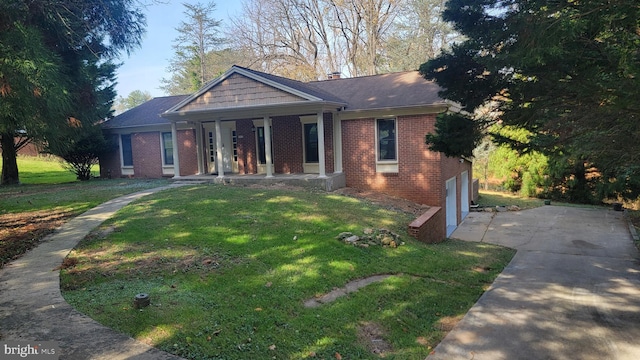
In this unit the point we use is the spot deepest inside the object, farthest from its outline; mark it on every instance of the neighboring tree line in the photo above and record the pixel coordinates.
(567, 73)
(57, 75)
(307, 39)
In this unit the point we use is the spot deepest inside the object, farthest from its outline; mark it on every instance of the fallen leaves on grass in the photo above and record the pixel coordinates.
(20, 232)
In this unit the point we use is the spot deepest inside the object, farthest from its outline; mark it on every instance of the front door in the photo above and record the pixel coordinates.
(229, 147)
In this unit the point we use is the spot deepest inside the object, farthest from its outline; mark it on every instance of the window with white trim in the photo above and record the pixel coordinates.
(386, 145)
(387, 140)
(126, 150)
(167, 148)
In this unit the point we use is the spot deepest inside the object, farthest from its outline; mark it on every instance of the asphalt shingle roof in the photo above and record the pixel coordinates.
(147, 113)
(402, 89)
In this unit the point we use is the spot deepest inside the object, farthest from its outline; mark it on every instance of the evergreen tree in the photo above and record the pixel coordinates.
(55, 66)
(195, 58)
(567, 71)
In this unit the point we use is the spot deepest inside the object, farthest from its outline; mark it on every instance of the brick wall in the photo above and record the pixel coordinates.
(147, 160)
(187, 151)
(110, 162)
(147, 155)
(418, 177)
(287, 144)
(430, 227)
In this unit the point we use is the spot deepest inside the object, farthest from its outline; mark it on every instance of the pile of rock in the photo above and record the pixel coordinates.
(371, 237)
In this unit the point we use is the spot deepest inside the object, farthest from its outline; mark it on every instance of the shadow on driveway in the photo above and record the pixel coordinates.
(572, 291)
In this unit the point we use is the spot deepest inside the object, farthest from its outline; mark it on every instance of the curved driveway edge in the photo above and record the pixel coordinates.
(32, 308)
(572, 291)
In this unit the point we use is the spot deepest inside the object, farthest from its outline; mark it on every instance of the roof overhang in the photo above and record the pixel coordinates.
(395, 111)
(253, 112)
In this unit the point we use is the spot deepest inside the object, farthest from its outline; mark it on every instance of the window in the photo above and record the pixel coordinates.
(386, 133)
(311, 143)
(167, 148)
(261, 155)
(127, 153)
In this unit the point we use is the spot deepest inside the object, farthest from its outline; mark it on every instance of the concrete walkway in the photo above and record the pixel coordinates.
(572, 291)
(32, 308)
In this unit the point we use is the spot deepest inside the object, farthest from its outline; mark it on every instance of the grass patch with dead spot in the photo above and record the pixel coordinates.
(228, 270)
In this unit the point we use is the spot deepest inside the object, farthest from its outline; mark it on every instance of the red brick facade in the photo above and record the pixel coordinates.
(420, 175)
(430, 226)
(147, 155)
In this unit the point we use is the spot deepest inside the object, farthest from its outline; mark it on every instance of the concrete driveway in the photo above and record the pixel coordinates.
(572, 291)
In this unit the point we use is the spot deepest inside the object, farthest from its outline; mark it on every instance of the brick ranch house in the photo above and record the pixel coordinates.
(366, 133)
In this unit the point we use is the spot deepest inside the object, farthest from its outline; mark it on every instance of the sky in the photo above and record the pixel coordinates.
(146, 65)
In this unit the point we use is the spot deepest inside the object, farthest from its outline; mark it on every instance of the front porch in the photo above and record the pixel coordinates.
(330, 182)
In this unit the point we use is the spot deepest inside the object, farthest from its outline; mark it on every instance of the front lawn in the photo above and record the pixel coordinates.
(228, 270)
(29, 212)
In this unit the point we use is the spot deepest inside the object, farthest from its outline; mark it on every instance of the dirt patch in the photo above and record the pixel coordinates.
(351, 286)
(142, 260)
(372, 337)
(21, 232)
(447, 323)
(387, 201)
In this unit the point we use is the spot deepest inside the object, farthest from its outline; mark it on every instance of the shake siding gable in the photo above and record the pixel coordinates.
(237, 91)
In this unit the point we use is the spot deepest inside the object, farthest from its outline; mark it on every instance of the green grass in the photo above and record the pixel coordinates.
(75, 197)
(48, 196)
(495, 198)
(227, 280)
(45, 170)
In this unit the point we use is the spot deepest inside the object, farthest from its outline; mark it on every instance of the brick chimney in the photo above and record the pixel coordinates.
(334, 75)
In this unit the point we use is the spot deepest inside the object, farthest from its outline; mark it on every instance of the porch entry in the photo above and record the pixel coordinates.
(229, 139)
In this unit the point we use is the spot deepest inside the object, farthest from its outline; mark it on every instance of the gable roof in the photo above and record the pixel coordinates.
(268, 90)
(222, 96)
(145, 114)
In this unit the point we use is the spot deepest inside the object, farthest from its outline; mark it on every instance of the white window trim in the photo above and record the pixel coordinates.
(308, 168)
(128, 169)
(386, 166)
(167, 169)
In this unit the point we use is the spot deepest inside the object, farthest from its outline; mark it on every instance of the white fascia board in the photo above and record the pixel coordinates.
(251, 112)
(436, 108)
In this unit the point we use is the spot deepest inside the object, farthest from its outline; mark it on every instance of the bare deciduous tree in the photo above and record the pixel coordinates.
(306, 39)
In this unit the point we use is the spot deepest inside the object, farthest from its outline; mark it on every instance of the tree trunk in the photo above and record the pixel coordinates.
(9, 161)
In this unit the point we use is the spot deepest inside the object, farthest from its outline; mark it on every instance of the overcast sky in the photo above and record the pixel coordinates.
(144, 68)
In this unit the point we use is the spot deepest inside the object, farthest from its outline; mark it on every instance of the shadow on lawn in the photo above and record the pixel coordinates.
(269, 251)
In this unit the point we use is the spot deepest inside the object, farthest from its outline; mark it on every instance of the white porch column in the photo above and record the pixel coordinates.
(267, 145)
(176, 157)
(321, 151)
(337, 142)
(199, 147)
(219, 159)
